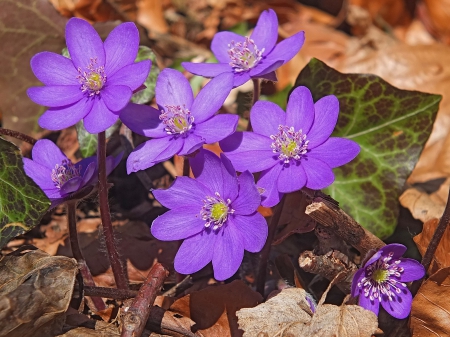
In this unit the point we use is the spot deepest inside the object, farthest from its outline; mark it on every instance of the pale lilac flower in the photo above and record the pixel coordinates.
(383, 280)
(95, 83)
(57, 176)
(216, 214)
(256, 56)
(292, 149)
(183, 124)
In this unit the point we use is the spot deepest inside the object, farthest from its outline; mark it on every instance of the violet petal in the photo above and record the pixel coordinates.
(71, 185)
(228, 253)
(271, 196)
(144, 120)
(207, 69)
(326, 115)
(367, 304)
(40, 174)
(63, 117)
(249, 198)
(217, 128)
(300, 110)
(54, 69)
(172, 88)
(319, 174)
(116, 97)
(253, 230)
(47, 154)
(292, 178)
(266, 117)
(265, 34)
(220, 42)
(191, 143)
(241, 78)
(413, 270)
(356, 278)
(336, 151)
(177, 224)
(56, 95)
(132, 75)
(400, 306)
(100, 117)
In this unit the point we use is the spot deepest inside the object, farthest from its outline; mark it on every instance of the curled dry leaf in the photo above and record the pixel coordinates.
(288, 314)
(35, 292)
(430, 311)
(441, 258)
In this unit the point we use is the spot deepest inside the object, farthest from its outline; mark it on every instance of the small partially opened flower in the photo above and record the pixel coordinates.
(383, 280)
(57, 176)
(216, 214)
(183, 124)
(292, 149)
(95, 83)
(256, 56)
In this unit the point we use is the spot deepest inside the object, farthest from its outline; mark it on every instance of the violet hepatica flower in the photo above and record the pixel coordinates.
(292, 149)
(256, 56)
(216, 214)
(183, 124)
(382, 280)
(95, 83)
(57, 176)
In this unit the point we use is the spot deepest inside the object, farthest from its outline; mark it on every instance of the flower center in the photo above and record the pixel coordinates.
(382, 278)
(64, 172)
(244, 55)
(93, 78)
(215, 211)
(178, 120)
(289, 144)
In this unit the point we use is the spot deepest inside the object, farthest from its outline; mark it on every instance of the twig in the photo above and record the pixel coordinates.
(344, 226)
(133, 322)
(264, 255)
(181, 286)
(256, 93)
(18, 135)
(108, 232)
(117, 294)
(78, 255)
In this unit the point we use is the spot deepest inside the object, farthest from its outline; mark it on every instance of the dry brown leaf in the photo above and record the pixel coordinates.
(423, 206)
(441, 258)
(35, 292)
(436, 15)
(150, 15)
(213, 308)
(430, 313)
(102, 329)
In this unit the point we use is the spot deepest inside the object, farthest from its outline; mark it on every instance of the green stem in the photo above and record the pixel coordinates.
(256, 93)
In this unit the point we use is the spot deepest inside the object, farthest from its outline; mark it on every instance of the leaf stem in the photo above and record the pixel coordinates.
(18, 135)
(265, 252)
(108, 232)
(256, 93)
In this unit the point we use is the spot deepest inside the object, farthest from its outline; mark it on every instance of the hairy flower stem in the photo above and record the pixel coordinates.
(256, 93)
(108, 233)
(265, 252)
(71, 207)
(18, 135)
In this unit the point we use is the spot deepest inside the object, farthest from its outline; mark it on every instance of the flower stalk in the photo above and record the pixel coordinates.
(256, 93)
(108, 233)
(18, 135)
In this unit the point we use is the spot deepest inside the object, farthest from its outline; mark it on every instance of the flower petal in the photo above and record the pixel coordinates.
(63, 117)
(152, 152)
(249, 198)
(144, 120)
(249, 151)
(195, 252)
(230, 179)
(319, 174)
(207, 69)
(88, 173)
(47, 154)
(56, 95)
(121, 47)
(396, 249)
(132, 75)
(272, 76)
(367, 304)
(253, 230)
(266, 117)
(54, 69)
(177, 224)
(220, 45)
(71, 185)
(241, 78)
(335, 151)
(265, 34)
(264, 69)
(100, 117)
(413, 270)
(83, 43)
(292, 178)
(270, 197)
(190, 144)
(172, 88)
(113, 162)
(217, 128)
(116, 97)
(184, 192)
(40, 174)
(356, 278)
(228, 253)
(210, 99)
(400, 306)
(325, 118)
(300, 110)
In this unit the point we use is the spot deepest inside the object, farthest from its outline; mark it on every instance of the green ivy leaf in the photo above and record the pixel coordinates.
(390, 125)
(88, 141)
(146, 95)
(22, 202)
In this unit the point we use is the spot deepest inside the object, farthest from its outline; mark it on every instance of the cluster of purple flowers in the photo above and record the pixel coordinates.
(215, 213)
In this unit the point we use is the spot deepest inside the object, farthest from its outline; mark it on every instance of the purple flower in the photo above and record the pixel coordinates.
(95, 83)
(292, 149)
(184, 124)
(216, 214)
(256, 56)
(382, 279)
(57, 176)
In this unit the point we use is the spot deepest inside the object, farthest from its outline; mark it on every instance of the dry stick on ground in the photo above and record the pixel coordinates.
(18, 135)
(344, 226)
(133, 322)
(117, 294)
